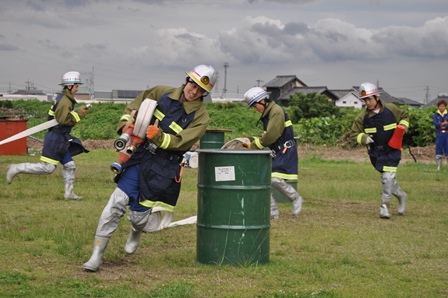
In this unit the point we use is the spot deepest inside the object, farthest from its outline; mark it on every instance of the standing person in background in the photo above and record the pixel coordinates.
(59, 145)
(151, 176)
(440, 121)
(374, 127)
(279, 137)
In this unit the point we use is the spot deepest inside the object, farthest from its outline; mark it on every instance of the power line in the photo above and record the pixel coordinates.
(427, 94)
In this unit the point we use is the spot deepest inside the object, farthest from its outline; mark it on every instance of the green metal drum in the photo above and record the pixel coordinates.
(213, 139)
(233, 220)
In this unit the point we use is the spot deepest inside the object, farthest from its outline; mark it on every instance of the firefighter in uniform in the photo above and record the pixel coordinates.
(374, 127)
(278, 136)
(59, 145)
(150, 178)
(440, 121)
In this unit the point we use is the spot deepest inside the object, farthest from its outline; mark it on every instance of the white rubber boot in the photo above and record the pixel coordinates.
(402, 199)
(108, 223)
(133, 241)
(138, 221)
(68, 193)
(297, 205)
(275, 214)
(41, 168)
(384, 211)
(290, 192)
(95, 261)
(439, 159)
(388, 181)
(68, 175)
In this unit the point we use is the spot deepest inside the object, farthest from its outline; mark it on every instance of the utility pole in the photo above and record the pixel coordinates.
(258, 82)
(216, 88)
(427, 94)
(226, 65)
(28, 83)
(90, 84)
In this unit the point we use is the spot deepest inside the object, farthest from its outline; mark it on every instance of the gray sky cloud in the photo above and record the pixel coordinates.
(136, 44)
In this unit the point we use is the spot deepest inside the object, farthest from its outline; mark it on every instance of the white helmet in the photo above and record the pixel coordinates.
(255, 94)
(205, 76)
(70, 78)
(367, 90)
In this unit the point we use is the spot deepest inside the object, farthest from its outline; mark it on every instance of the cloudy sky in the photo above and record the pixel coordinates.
(135, 44)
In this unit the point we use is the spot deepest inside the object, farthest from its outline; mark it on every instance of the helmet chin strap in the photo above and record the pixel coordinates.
(377, 102)
(265, 103)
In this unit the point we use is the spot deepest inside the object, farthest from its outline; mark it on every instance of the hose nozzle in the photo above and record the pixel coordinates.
(121, 142)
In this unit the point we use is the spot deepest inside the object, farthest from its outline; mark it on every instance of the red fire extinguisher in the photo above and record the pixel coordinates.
(397, 138)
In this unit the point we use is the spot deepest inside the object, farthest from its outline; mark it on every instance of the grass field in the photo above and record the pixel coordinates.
(337, 247)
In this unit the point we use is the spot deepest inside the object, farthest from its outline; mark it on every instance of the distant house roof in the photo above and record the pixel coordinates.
(348, 98)
(384, 96)
(435, 100)
(307, 90)
(281, 86)
(282, 80)
(342, 92)
(29, 92)
(410, 102)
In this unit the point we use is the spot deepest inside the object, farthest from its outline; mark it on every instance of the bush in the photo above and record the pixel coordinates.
(421, 129)
(309, 106)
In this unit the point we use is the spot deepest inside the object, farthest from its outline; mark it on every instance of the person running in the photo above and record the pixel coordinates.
(374, 127)
(150, 178)
(59, 145)
(278, 136)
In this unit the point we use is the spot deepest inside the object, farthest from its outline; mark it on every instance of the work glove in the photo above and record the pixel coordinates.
(238, 143)
(85, 108)
(248, 137)
(369, 140)
(152, 131)
(247, 145)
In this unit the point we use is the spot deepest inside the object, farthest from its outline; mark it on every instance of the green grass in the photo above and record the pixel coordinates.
(337, 247)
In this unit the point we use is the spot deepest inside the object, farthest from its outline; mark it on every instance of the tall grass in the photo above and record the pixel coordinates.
(337, 247)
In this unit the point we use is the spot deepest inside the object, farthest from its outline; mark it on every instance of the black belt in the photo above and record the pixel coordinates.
(59, 129)
(377, 148)
(151, 147)
(287, 144)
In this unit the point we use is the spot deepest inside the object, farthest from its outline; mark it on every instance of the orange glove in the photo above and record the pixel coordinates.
(85, 108)
(248, 137)
(151, 131)
(247, 145)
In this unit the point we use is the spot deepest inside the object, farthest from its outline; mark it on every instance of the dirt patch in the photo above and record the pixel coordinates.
(89, 144)
(359, 154)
